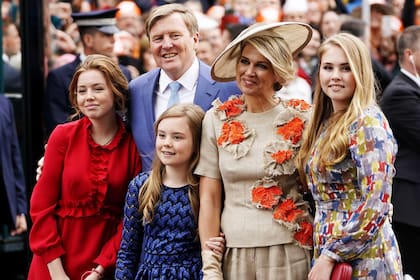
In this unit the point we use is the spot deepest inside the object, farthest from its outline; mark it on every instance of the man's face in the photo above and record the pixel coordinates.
(11, 41)
(172, 45)
(100, 43)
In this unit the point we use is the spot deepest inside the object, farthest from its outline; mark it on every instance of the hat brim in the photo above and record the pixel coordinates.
(109, 29)
(296, 34)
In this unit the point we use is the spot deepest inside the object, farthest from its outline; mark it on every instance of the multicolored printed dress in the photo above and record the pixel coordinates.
(353, 201)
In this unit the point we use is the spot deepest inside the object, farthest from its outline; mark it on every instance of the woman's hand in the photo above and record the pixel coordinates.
(322, 269)
(217, 244)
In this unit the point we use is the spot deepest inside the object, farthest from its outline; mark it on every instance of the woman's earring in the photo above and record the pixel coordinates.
(277, 86)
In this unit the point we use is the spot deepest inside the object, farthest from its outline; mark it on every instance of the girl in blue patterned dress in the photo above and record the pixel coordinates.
(348, 160)
(160, 235)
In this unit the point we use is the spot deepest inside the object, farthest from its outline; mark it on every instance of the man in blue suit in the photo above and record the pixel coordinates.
(401, 105)
(173, 35)
(97, 29)
(13, 201)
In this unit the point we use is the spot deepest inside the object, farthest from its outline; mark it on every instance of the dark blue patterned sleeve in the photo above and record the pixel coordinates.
(128, 257)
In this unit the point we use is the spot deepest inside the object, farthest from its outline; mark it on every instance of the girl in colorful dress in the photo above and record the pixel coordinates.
(347, 158)
(160, 236)
(248, 148)
(77, 205)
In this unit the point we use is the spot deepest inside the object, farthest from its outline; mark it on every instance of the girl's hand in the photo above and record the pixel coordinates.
(55, 267)
(95, 274)
(322, 269)
(217, 244)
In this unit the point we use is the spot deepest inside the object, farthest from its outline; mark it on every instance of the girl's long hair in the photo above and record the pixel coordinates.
(333, 148)
(150, 192)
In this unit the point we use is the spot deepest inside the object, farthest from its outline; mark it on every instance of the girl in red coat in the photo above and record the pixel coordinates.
(77, 205)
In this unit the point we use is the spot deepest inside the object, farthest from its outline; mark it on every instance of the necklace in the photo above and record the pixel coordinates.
(108, 140)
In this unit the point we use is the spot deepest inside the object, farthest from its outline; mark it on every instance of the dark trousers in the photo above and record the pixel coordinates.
(409, 242)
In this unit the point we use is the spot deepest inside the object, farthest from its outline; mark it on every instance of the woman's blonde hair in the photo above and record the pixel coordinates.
(113, 76)
(334, 146)
(150, 192)
(276, 50)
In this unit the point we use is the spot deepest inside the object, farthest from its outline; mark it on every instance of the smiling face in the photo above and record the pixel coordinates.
(174, 143)
(336, 77)
(254, 73)
(172, 45)
(95, 98)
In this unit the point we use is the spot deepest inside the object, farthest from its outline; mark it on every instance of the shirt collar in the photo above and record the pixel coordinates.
(411, 76)
(187, 80)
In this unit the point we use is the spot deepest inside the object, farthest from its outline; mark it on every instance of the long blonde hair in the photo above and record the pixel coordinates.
(150, 192)
(334, 146)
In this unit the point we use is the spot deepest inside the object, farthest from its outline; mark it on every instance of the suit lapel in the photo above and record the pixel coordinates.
(206, 91)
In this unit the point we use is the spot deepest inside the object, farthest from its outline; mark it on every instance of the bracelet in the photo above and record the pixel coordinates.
(94, 270)
(101, 275)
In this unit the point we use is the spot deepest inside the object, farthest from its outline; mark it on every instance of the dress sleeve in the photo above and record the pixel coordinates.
(208, 164)
(44, 238)
(128, 257)
(372, 148)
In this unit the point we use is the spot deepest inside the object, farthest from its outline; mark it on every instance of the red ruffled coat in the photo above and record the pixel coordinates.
(77, 205)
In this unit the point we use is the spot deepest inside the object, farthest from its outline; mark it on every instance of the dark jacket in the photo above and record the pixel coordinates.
(11, 161)
(401, 105)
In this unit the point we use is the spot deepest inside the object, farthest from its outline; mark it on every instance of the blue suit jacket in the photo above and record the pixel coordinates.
(57, 107)
(142, 100)
(11, 161)
(401, 105)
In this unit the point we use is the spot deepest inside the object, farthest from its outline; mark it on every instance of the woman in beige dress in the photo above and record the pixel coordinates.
(249, 186)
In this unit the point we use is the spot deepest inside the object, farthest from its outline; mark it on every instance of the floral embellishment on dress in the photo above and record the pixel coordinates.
(279, 158)
(230, 108)
(233, 107)
(287, 213)
(232, 133)
(303, 235)
(292, 130)
(234, 137)
(266, 196)
(299, 104)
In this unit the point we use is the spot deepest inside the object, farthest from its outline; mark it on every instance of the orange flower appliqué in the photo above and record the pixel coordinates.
(299, 104)
(287, 211)
(266, 197)
(233, 107)
(304, 235)
(292, 130)
(232, 132)
(281, 156)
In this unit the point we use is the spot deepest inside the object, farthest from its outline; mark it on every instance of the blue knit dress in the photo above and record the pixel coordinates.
(166, 248)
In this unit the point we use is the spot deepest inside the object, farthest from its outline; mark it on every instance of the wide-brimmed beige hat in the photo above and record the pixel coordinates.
(296, 35)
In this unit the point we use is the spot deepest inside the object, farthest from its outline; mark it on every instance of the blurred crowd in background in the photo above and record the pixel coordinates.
(219, 22)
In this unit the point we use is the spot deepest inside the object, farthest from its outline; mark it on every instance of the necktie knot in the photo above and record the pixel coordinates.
(174, 97)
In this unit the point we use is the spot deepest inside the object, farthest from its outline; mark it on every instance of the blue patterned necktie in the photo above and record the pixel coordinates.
(174, 97)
